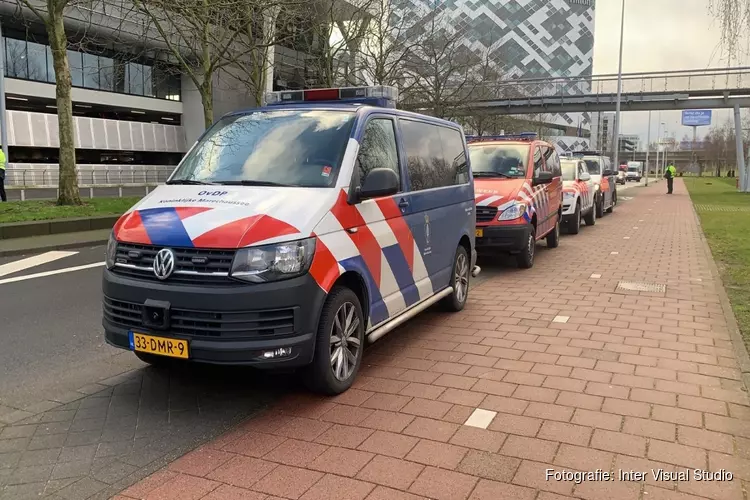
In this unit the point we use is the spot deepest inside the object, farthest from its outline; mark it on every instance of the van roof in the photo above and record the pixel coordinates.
(362, 109)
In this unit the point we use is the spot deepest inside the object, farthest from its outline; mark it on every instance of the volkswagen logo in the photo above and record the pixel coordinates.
(164, 263)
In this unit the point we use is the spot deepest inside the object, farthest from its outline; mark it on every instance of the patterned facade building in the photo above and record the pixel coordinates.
(525, 39)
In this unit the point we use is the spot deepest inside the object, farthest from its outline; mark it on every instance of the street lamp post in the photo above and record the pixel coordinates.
(3, 117)
(648, 145)
(619, 90)
(658, 143)
(666, 149)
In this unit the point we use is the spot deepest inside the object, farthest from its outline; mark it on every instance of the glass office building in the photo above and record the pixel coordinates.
(523, 39)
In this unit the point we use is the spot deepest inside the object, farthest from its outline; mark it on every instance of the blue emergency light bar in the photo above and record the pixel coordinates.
(381, 96)
(523, 136)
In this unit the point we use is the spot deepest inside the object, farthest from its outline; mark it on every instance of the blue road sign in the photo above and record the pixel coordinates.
(696, 117)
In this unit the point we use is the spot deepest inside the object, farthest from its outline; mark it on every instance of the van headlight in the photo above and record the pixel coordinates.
(568, 195)
(513, 212)
(596, 187)
(111, 252)
(273, 262)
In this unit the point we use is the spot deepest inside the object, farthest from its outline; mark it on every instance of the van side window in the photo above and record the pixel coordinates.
(424, 154)
(538, 161)
(553, 161)
(581, 168)
(457, 171)
(378, 148)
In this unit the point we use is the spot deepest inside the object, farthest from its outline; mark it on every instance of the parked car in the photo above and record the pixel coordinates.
(518, 187)
(274, 255)
(604, 178)
(579, 195)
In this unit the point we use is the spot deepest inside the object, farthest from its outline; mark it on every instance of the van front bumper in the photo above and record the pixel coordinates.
(511, 238)
(233, 324)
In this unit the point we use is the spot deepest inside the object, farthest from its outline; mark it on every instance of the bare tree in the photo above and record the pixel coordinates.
(387, 44)
(734, 20)
(256, 59)
(440, 69)
(199, 36)
(487, 85)
(52, 14)
(339, 28)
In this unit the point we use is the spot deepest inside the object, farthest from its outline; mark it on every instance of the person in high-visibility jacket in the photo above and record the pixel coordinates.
(3, 197)
(669, 174)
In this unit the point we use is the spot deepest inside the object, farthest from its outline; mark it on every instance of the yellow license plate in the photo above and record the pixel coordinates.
(480, 233)
(162, 346)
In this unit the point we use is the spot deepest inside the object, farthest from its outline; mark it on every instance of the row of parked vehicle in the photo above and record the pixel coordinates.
(526, 192)
(290, 235)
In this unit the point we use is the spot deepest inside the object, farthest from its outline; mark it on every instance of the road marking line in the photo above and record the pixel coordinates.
(37, 260)
(560, 319)
(480, 418)
(614, 253)
(50, 273)
(595, 276)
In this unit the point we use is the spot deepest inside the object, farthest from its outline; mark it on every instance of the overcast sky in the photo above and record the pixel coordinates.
(660, 35)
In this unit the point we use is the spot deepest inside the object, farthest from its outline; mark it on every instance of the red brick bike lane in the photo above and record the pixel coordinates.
(614, 353)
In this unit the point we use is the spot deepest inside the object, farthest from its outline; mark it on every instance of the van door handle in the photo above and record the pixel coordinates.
(403, 203)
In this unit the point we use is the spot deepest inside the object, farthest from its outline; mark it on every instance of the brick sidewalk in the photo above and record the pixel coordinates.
(553, 368)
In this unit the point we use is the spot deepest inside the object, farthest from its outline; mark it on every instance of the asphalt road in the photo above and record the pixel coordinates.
(50, 329)
(50, 326)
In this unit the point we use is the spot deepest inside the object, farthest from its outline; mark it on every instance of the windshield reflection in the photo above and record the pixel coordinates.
(300, 148)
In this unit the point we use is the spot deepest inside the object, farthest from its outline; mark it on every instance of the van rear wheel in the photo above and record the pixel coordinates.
(553, 238)
(614, 202)
(338, 345)
(459, 281)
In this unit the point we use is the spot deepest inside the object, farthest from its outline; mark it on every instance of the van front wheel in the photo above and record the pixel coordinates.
(525, 259)
(339, 343)
(459, 281)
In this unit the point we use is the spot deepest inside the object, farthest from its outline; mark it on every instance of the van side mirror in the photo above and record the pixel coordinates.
(585, 176)
(543, 178)
(379, 182)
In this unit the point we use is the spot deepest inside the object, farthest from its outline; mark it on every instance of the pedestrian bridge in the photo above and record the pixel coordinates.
(667, 90)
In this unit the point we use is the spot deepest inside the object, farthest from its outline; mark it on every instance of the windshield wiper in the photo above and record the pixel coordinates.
(191, 182)
(253, 183)
(491, 174)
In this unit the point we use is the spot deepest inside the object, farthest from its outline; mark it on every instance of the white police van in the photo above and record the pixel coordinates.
(290, 234)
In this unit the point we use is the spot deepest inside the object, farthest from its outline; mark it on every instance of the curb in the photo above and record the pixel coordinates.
(738, 343)
(56, 226)
(53, 246)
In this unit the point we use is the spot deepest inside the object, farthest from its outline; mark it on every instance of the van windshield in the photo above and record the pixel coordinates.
(499, 160)
(300, 148)
(632, 169)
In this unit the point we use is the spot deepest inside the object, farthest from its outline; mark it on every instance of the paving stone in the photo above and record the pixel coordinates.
(81, 489)
(17, 431)
(15, 416)
(46, 442)
(42, 406)
(73, 468)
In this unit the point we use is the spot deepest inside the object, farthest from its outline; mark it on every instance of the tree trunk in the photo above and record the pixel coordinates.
(207, 97)
(68, 181)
